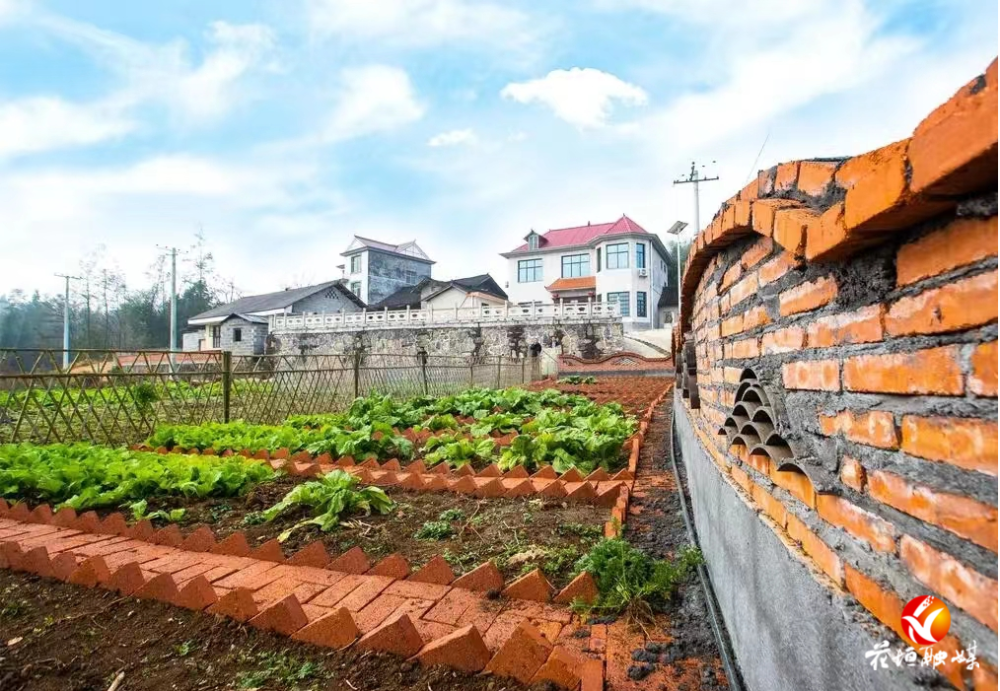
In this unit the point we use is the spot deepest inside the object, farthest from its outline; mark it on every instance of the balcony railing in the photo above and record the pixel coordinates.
(576, 311)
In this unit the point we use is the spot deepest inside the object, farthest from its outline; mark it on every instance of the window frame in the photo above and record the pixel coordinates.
(237, 334)
(640, 255)
(582, 260)
(356, 258)
(535, 270)
(641, 304)
(619, 255)
(352, 287)
(533, 241)
(623, 305)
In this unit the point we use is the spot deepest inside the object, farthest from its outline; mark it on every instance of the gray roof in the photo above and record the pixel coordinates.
(410, 250)
(275, 301)
(409, 296)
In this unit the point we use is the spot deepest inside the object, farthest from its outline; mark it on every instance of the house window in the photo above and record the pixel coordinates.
(618, 256)
(620, 298)
(217, 336)
(640, 255)
(356, 264)
(237, 335)
(356, 288)
(575, 265)
(533, 242)
(598, 260)
(640, 304)
(529, 270)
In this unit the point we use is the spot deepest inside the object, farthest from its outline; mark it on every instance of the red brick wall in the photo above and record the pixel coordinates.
(862, 293)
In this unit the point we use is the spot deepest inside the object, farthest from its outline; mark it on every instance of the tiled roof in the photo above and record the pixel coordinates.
(581, 283)
(272, 301)
(582, 235)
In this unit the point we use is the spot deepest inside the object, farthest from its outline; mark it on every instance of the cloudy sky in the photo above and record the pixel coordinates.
(282, 127)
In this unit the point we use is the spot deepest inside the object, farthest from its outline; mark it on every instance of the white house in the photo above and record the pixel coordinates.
(375, 270)
(474, 291)
(611, 262)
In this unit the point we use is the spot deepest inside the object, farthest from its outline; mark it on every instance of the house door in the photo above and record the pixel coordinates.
(217, 336)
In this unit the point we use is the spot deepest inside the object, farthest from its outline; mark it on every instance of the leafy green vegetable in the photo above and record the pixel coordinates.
(457, 451)
(452, 515)
(139, 512)
(434, 530)
(329, 497)
(83, 476)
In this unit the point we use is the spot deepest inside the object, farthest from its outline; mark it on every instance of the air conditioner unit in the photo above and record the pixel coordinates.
(643, 273)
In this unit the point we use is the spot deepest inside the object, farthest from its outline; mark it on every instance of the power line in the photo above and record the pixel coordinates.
(693, 179)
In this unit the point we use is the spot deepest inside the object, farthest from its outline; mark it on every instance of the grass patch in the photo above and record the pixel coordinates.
(278, 670)
(434, 530)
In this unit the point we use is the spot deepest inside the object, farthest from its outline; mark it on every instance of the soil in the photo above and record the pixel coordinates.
(656, 525)
(59, 637)
(519, 534)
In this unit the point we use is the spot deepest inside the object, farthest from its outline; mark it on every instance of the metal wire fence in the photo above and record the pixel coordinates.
(115, 397)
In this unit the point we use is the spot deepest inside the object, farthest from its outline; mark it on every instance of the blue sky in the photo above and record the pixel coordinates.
(282, 127)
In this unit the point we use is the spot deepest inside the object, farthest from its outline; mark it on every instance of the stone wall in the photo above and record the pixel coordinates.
(252, 337)
(387, 273)
(584, 339)
(839, 389)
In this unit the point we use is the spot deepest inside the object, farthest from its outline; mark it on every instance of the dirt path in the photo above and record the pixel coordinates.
(680, 652)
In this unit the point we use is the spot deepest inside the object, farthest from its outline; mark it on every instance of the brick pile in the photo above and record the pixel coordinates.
(862, 293)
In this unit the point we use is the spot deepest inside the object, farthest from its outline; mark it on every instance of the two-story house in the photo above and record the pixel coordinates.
(375, 270)
(611, 262)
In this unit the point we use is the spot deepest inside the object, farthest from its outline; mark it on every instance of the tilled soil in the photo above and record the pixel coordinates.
(656, 524)
(519, 534)
(59, 637)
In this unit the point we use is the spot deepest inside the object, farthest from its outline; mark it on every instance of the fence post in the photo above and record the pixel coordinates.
(422, 358)
(227, 383)
(499, 360)
(524, 360)
(472, 372)
(357, 373)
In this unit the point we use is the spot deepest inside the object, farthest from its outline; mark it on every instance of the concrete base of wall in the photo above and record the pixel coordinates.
(788, 630)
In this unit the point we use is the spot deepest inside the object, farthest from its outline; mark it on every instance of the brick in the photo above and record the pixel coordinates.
(580, 588)
(957, 583)
(733, 325)
(960, 515)
(863, 325)
(813, 375)
(237, 604)
(962, 242)
(743, 349)
(983, 377)
(162, 588)
(984, 677)
(746, 287)
(531, 586)
(394, 566)
(786, 176)
(284, 616)
(956, 306)
(807, 296)
(730, 277)
(126, 579)
(797, 483)
(776, 268)
(852, 473)
(771, 506)
(562, 669)
(876, 186)
(200, 540)
(818, 551)
(367, 590)
(197, 594)
(90, 573)
(742, 214)
(791, 227)
(269, 551)
(63, 566)
(114, 524)
(783, 340)
(930, 371)
(874, 428)
(463, 649)
(314, 554)
(954, 149)
(754, 318)
(334, 630)
(170, 536)
(353, 561)
(484, 578)
(37, 561)
(966, 443)
(763, 213)
(521, 655)
(235, 545)
(862, 524)
(741, 478)
(828, 238)
(437, 570)
(398, 636)
(815, 177)
(42, 514)
(883, 604)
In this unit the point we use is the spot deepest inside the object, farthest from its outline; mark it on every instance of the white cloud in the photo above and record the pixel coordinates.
(420, 23)
(43, 123)
(374, 98)
(454, 138)
(580, 96)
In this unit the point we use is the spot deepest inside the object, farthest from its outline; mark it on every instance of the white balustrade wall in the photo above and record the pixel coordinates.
(509, 314)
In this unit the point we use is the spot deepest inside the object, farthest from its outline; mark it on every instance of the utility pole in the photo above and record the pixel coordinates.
(173, 297)
(66, 320)
(693, 179)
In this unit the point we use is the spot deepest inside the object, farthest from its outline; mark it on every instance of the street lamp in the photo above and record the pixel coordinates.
(677, 230)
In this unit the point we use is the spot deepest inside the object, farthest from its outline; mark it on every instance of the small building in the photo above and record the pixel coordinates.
(375, 270)
(601, 262)
(474, 291)
(241, 327)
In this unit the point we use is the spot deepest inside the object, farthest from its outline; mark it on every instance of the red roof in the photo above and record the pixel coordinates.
(582, 235)
(581, 283)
